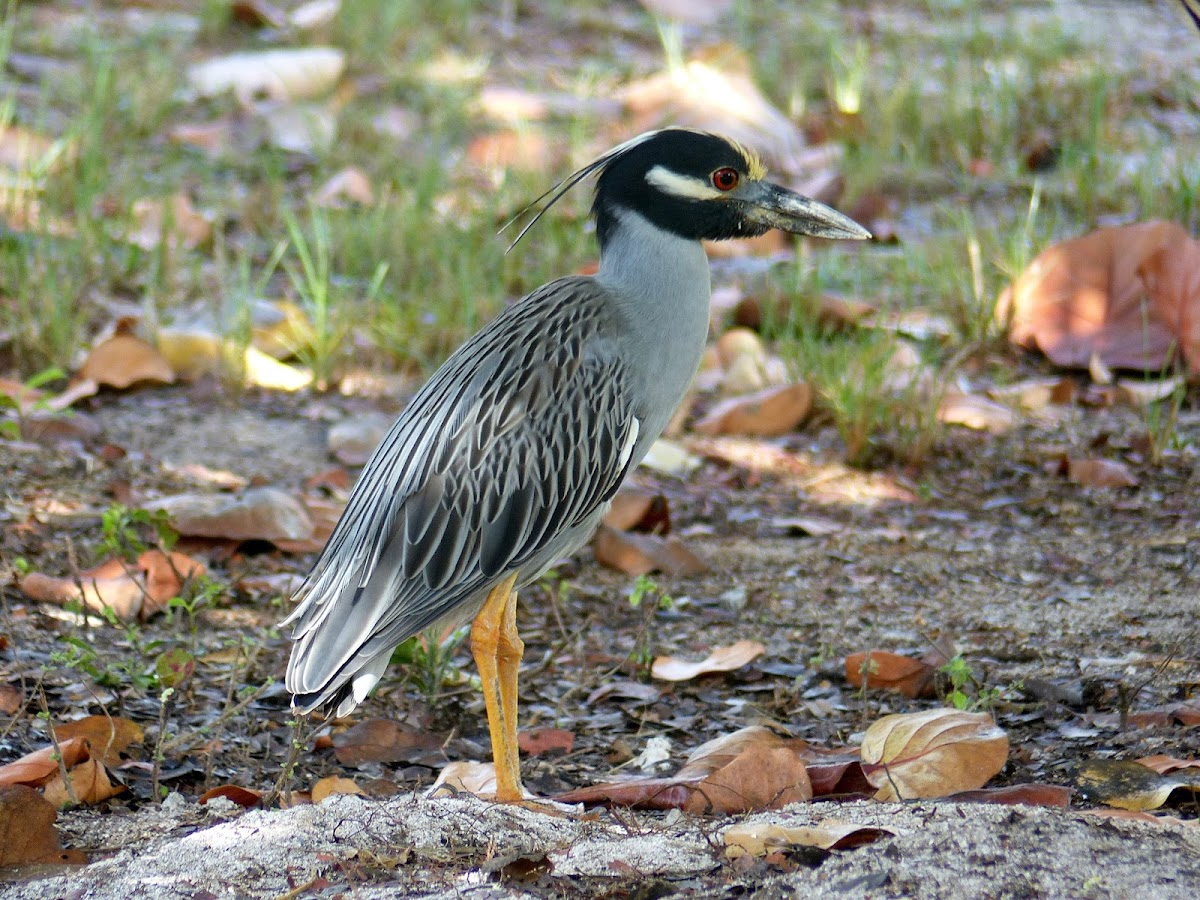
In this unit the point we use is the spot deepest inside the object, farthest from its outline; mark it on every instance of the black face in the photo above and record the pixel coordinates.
(623, 183)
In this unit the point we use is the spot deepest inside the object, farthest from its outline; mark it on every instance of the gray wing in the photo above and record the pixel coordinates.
(497, 463)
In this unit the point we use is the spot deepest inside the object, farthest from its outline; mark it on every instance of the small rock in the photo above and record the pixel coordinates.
(352, 441)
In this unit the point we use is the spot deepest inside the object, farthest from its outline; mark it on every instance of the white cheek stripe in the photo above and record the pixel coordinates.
(682, 185)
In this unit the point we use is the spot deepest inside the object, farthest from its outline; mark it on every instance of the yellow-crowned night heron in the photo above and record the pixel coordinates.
(507, 458)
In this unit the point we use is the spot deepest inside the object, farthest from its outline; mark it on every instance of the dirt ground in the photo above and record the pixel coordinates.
(1075, 609)
(1075, 606)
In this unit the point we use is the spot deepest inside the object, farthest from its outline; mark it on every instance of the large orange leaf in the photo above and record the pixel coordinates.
(27, 832)
(107, 737)
(750, 769)
(36, 768)
(932, 754)
(1127, 296)
(132, 590)
(89, 782)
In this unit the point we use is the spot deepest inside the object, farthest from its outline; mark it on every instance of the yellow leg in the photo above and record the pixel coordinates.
(497, 649)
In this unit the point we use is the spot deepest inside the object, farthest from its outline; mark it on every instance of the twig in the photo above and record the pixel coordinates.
(58, 754)
(159, 755)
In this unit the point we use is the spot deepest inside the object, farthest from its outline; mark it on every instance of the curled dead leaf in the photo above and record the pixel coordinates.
(670, 458)
(1162, 763)
(382, 741)
(124, 360)
(36, 768)
(476, 778)
(759, 839)
(1103, 473)
(138, 589)
(350, 185)
(1017, 795)
(545, 740)
(934, 753)
(89, 782)
(770, 412)
(246, 798)
(1126, 784)
(973, 411)
(1127, 297)
(891, 671)
(11, 700)
(107, 738)
(170, 220)
(721, 659)
(750, 769)
(634, 510)
(333, 784)
(280, 74)
(27, 834)
(640, 554)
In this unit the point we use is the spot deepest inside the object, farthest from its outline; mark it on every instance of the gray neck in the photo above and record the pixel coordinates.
(660, 282)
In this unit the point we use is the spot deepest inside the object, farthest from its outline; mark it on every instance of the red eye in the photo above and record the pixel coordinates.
(725, 179)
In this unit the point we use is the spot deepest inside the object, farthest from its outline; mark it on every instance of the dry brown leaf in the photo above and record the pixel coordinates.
(259, 514)
(10, 700)
(913, 756)
(1035, 393)
(107, 738)
(138, 589)
(758, 778)
(1131, 785)
(544, 740)
(89, 782)
(523, 149)
(1017, 795)
(1186, 713)
(759, 839)
(891, 671)
(1126, 296)
(36, 768)
(719, 94)
(750, 769)
(635, 510)
(1133, 815)
(281, 74)
(669, 458)
(918, 324)
(771, 412)
(813, 526)
(125, 359)
(1102, 473)
(1138, 392)
(640, 554)
(835, 773)
(382, 741)
(211, 137)
(350, 185)
(1162, 763)
(333, 784)
(476, 778)
(721, 659)
(27, 834)
(842, 312)
(170, 219)
(973, 411)
(30, 154)
(246, 798)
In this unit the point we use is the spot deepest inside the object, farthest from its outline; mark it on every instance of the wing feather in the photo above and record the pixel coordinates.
(500, 463)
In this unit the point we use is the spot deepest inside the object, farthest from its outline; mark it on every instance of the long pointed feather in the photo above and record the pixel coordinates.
(557, 192)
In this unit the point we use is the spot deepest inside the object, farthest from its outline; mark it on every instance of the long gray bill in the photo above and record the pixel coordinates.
(777, 207)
